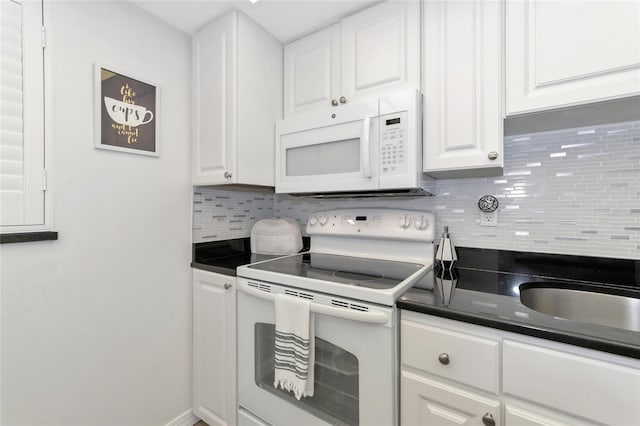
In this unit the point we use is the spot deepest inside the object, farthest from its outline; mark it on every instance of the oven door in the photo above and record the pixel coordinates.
(318, 153)
(355, 361)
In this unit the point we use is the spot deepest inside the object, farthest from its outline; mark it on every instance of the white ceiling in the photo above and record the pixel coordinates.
(287, 20)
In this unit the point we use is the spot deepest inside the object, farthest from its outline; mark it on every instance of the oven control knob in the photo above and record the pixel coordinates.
(422, 224)
(416, 223)
(405, 221)
(322, 220)
(313, 220)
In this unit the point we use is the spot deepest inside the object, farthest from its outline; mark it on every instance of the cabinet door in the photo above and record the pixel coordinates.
(562, 53)
(519, 416)
(557, 379)
(428, 402)
(259, 103)
(214, 348)
(463, 88)
(312, 71)
(214, 92)
(381, 50)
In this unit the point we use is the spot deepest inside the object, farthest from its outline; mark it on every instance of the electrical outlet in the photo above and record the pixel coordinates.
(489, 219)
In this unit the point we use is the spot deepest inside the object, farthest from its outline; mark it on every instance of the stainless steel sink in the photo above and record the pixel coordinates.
(601, 305)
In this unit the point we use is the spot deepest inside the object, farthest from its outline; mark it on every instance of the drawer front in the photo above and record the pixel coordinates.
(593, 389)
(456, 356)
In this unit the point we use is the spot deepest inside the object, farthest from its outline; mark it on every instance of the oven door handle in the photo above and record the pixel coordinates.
(344, 313)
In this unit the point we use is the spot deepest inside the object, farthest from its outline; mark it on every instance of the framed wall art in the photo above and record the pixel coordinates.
(126, 112)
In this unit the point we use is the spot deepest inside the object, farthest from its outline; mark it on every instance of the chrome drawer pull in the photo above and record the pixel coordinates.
(443, 358)
(488, 420)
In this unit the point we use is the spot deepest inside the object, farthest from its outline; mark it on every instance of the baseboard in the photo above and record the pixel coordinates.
(185, 419)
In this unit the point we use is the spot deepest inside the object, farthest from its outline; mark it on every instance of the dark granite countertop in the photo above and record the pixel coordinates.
(225, 256)
(486, 293)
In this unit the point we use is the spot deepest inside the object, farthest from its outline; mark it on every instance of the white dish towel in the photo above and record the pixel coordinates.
(294, 345)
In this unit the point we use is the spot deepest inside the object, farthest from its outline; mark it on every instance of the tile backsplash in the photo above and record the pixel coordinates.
(223, 215)
(571, 191)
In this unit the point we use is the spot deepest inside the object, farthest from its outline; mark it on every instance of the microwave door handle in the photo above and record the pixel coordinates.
(365, 148)
(344, 313)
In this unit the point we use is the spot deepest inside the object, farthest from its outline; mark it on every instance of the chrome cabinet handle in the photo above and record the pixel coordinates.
(443, 358)
(334, 102)
(492, 155)
(343, 100)
(488, 420)
(227, 175)
(227, 286)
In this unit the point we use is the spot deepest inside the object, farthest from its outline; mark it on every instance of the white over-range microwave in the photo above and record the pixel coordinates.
(367, 146)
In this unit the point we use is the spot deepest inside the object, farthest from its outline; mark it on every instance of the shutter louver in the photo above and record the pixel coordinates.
(11, 155)
(21, 117)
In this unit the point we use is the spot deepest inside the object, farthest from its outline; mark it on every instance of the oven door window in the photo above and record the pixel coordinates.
(335, 397)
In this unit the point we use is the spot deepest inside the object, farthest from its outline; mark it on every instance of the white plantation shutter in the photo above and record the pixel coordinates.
(21, 113)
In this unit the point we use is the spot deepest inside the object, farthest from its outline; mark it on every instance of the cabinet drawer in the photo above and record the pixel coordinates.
(593, 389)
(471, 360)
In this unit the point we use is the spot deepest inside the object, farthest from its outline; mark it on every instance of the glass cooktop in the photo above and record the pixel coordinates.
(356, 271)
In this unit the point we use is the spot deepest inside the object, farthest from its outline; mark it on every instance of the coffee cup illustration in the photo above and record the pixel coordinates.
(128, 114)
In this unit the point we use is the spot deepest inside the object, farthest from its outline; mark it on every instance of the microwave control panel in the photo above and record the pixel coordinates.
(393, 143)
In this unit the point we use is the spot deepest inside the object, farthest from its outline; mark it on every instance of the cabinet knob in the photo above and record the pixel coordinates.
(492, 155)
(443, 358)
(488, 420)
(343, 100)
(334, 102)
(227, 286)
(227, 175)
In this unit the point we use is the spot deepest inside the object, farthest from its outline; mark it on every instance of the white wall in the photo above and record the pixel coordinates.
(96, 327)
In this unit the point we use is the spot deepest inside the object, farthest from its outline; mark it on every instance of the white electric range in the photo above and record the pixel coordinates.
(360, 261)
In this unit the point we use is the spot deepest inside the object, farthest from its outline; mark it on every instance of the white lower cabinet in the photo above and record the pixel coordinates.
(429, 402)
(214, 342)
(602, 390)
(516, 414)
(539, 382)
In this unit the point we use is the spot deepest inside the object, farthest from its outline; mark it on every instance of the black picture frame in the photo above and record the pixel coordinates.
(126, 112)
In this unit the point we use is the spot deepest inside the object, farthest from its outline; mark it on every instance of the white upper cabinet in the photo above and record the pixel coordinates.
(381, 50)
(312, 70)
(237, 70)
(369, 54)
(462, 65)
(562, 53)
